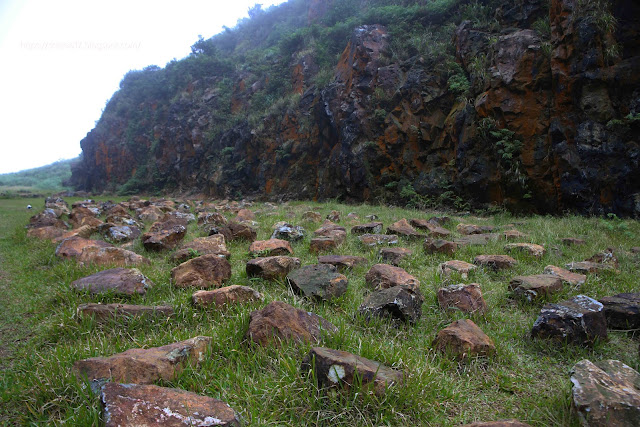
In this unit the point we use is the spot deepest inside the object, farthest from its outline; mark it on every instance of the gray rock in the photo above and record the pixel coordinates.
(319, 281)
(395, 303)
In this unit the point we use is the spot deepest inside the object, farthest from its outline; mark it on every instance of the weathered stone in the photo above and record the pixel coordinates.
(579, 320)
(496, 262)
(271, 247)
(439, 220)
(467, 229)
(513, 235)
(456, 266)
(394, 255)
(311, 216)
(149, 213)
(214, 218)
(280, 321)
(143, 366)
(48, 232)
(234, 294)
(434, 230)
(532, 249)
(73, 246)
(606, 257)
(245, 215)
(382, 276)
(477, 239)
(127, 281)
(535, 286)
(574, 279)
(235, 231)
(378, 239)
(466, 298)
(103, 312)
(395, 303)
(606, 394)
(164, 235)
(273, 267)
(463, 339)
(340, 368)
(342, 262)
(368, 228)
(334, 216)
(288, 232)
(84, 231)
(111, 256)
(622, 311)
(328, 229)
(150, 405)
(318, 281)
(205, 271)
(584, 267)
(210, 245)
(439, 246)
(404, 229)
(121, 233)
(501, 423)
(572, 241)
(323, 244)
(81, 215)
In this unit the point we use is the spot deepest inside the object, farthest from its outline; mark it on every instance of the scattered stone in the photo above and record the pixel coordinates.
(606, 258)
(338, 368)
(121, 233)
(573, 279)
(319, 281)
(73, 247)
(466, 298)
(329, 229)
(84, 231)
(82, 215)
(273, 267)
(334, 216)
(368, 228)
(111, 256)
(579, 320)
(496, 262)
(464, 339)
(433, 229)
(143, 366)
(439, 246)
(210, 245)
(48, 232)
(164, 235)
(104, 312)
(311, 216)
(383, 276)
(205, 271)
(404, 229)
(214, 218)
(535, 286)
(513, 235)
(532, 249)
(234, 294)
(622, 311)
(126, 281)
(245, 215)
(477, 239)
(324, 244)
(378, 239)
(149, 405)
(584, 267)
(468, 229)
(353, 215)
(271, 247)
(572, 241)
(394, 255)
(439, 220)
(46, 218)
(342, 262)
(279, 321)
(456, 266)
(606, 393)
(396, 303)
(289, 232)
(149, 213)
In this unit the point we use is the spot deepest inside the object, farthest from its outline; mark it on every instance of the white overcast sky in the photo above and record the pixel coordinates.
(62, 60)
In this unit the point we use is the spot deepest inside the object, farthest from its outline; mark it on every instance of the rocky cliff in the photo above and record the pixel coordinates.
(536, 108)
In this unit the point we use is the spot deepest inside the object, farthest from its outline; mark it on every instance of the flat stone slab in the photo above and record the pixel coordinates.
(234, 294)
(382, 276)
(48, 232)
(338, 368)
(143, 366)
(124, 281)
(463, 339)
(395, 303)
(530, 248)
(342, 262)
(404, 229)
(456, 266)
(579, 320)
(395, 255)
(439, 246)
(104, 312)
(210, 245)
(368, 228)
(271, 268)
(150, 405)
(318, 281)
(111, 256)
(466, 298)
(433, 229)
(535, 286)
(279, 321)
(606, 393)
(206, 271)
(622, 311)
(378, 239)
(495, 262)
(568, 277)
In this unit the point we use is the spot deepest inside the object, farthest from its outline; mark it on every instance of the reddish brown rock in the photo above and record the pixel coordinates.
(467, 229)
(496, 262)
(573, 279)
(149, 213)
(111, 256)
(477, 239)
(83, 216)
(104, 312)
(236, 231)
(378, 239)
(382, 276)
(530, 248)
(327, 243)
(463, 339)
(439, 246)
(584, 267)
(270, 268)
(456, 266)
(338, 368)
(328, 229)
(143, 366)
(395, 255)
(150, 405)
(513, 235)
(73, 246)
(334, 216)
(245, 215)
(271, 247)
(311, 216)
(48, 232)
(214, 218)
(466, 298)
(164, 235)
(206, 271)
(434, 230)
(234, 294)
(368, 228)
(210, 245)
(279, 321)
(535, 286)
(404, 229)
(46, 218)
(342, 262)
(127, 281)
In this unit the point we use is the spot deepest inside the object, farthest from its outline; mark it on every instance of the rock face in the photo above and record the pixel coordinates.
(279, 321)
(205, 271)
(234, 294)
(466, 298)
(606, 393)
(126, 281)
(148, 405)
(396, 303)
(103, 312)
(273, 267)
(579, 320)
(318, 281)
(338, 368)
(622, 311)
(463, 339)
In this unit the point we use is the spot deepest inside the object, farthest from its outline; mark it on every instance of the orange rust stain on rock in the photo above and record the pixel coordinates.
(268, 187)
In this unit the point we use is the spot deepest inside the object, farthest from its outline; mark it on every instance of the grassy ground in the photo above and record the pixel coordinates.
(526, 379)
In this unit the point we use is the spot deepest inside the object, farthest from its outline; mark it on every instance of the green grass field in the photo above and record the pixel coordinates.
(40, 337)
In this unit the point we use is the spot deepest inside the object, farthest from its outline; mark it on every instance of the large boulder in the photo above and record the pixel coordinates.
(320, 281)
(205, 271)
(126, 281)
